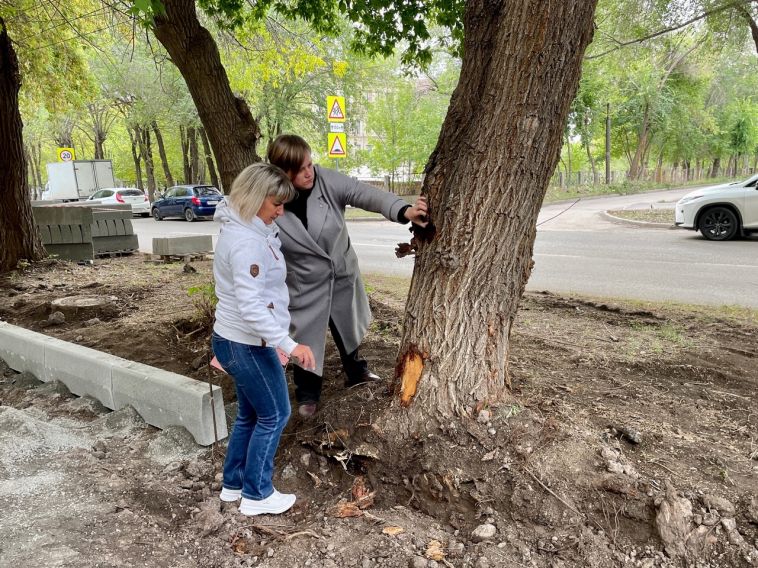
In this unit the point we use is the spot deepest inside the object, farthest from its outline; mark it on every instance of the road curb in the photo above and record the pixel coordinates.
(161, 398)
(634, 223)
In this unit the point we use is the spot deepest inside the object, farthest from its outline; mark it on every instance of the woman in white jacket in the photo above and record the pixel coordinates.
(252, 323)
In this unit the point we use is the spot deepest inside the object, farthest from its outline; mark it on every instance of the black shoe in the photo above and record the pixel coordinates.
(367, 377)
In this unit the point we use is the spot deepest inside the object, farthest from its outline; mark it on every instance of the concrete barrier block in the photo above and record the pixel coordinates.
(115, 244)
(66, 235)
(71, 251)
(23, 350)
(179, 246)
(44, 233)
(83, 370)
(167, 399)
(67, 214)
(76, 234)
(55, 235)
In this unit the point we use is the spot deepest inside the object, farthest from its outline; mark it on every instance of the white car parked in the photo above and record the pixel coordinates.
(721, 212)
(121, 196)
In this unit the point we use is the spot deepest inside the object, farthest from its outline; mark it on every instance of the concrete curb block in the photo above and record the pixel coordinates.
(160, 397)
(181, 245)
(650, 224)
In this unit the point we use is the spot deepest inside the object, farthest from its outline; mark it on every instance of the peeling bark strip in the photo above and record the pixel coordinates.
(409, 371)
(19, 238)
(485, 181)
(231, 128)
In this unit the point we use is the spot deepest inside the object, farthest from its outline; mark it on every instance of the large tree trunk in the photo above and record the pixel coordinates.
(162, 153)
(485, 181)
(232, 130)
(208, 157)
(18, 233)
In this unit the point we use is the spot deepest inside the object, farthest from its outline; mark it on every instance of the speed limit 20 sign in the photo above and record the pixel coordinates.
(66, 154)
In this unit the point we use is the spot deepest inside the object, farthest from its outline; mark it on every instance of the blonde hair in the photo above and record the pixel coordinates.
(254, 184)
(288, 151)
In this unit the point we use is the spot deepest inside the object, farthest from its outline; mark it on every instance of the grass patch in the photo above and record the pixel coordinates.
(646, 215)
(395, 287)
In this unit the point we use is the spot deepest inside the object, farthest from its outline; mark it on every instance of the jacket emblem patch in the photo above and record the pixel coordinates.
(254, 270)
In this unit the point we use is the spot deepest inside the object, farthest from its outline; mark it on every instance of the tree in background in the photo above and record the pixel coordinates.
(404, 124)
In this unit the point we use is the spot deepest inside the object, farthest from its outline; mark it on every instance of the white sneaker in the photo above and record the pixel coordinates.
(275, 504)
(230, 495)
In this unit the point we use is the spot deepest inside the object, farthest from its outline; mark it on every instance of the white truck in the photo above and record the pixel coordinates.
(77, 180)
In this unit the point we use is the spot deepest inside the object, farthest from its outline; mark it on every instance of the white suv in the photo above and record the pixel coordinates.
(721, 212)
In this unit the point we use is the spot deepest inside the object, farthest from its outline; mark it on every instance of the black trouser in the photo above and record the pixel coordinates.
(308, 385)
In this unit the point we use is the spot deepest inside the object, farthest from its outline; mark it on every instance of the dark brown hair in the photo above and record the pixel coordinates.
(288, 151)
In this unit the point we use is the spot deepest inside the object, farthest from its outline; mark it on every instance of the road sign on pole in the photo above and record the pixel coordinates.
(336, 139)
(335, 109)
(337, 142)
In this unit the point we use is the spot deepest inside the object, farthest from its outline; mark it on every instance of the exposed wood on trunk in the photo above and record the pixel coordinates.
(18, 233)
(485, 180)
(162, 154)
(232, 131)
(208, 157)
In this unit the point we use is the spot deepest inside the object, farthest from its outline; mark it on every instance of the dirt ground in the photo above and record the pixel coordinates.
(629, 440)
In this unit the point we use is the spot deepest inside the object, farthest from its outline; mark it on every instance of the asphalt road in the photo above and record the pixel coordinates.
(578, 250)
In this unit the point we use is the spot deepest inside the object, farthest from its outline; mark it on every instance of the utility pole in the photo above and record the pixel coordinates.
(608, 144)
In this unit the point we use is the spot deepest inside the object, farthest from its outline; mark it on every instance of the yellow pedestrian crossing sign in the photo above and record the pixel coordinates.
(335, 109)
(337, 143)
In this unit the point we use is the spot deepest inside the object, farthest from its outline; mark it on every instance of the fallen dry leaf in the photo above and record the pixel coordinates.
(392, 531)
(345, 509)
(434, 550)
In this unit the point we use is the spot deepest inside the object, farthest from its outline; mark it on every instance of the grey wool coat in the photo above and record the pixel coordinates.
(322, 268)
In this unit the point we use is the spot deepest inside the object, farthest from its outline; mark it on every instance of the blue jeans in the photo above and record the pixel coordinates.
(264, 409)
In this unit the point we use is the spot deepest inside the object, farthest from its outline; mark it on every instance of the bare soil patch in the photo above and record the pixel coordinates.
(629, 440)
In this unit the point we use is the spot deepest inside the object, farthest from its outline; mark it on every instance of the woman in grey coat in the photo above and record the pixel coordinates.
(323, 278)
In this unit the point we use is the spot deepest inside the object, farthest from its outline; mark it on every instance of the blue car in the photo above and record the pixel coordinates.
(191, 202)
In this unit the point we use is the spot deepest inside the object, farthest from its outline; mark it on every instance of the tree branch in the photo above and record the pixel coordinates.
(621, 44)
(745, 13)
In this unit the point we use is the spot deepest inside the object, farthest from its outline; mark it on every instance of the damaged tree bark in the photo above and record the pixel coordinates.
(485, 181)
